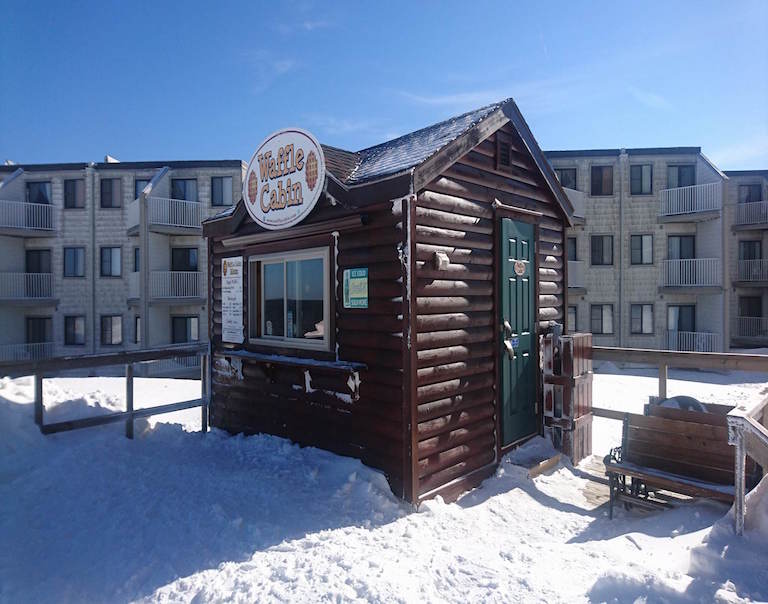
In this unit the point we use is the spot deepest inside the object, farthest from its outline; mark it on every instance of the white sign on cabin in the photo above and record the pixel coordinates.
(284, 179)
(232, 300)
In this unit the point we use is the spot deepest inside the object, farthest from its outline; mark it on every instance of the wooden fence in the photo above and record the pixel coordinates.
(53, 366)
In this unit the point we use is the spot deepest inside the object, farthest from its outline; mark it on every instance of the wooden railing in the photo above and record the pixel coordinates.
(41, 368)
(749, 437)
(26, 286)
(22, 215)
(752, 327)
(752, 270)
(576, 273)
(694, 341)
(691, 272)
(174, 212)
(755, 212)
(26, 352)
(690, 200)
(176, 284)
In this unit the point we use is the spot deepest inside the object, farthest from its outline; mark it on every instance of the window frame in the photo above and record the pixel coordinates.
(641, 192)
(101, 330)
(112, 193)
(575, 171)
(677, 167)
(748, 187)
(602, 331)
(591, 250)
(119, 275)
(256, 289)
(642, 247)
(186, 318)
(137, 329)
(39, 182)
(642, 306)
(64, 261)
(572, 244)
(136, 181)
(185, 179)
(67, 318)
(575, 307)
(592, 180)
(225, 203)
(66, 205)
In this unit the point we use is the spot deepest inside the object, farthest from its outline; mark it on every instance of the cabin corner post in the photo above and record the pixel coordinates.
(736, 438)
(410, 392)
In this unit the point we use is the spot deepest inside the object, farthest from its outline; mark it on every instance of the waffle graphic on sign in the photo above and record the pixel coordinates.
(253, 187)
(311, 173)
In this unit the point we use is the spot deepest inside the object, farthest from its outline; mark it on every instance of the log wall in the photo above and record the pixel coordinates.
(456, 310)
(274, 399)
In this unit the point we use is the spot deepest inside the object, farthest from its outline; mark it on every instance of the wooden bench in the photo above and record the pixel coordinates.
(667, 450)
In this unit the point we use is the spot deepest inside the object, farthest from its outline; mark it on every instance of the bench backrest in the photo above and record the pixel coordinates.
(690, 449)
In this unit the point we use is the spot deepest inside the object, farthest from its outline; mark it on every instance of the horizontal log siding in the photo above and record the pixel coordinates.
(456, 352)
(276, 402)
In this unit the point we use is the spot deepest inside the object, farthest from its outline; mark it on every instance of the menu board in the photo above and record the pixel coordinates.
(232, 300)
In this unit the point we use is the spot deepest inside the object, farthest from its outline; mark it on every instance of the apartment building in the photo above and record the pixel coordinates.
(646, 258)
(747, 256)
(98, 257)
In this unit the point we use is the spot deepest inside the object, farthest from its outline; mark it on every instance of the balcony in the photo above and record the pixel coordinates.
(753, 214)
(27, 219)
(751, 328)
(692, 272)
(752, 272)
(694, 341)
(26, 352)
(165, 215)
(694, 203)
(576, 275)
(176, 284)
(26, 287)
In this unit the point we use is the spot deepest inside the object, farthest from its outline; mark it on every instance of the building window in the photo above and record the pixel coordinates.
(641, 249)
(39, 330)
(74, 262)
(572, 317)
(184, 259)
(567, 177)
(750, 306)
(681, 247)
(74, 193)
(602, 250)
(571, 245)
(136, 259)
(602, 180)
(641, 318)
(111, 330)
(681, 317)
(221, 191)
(601, 318)
(39, 192)
(184, 329)
(750, 193)
(74, 331)
(111, 265)
(184, 188)
(37, 261)
(289, 296)
(111, 192)
(641, 179)
(137, 329)
(681, 176)
(138, 186)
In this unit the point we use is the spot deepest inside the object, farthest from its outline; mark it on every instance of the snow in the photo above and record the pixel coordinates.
(175, 516)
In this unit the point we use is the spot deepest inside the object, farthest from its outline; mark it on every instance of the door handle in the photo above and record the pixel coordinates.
(509, 349)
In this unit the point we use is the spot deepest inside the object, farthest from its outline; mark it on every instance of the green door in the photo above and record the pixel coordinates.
(517, 309)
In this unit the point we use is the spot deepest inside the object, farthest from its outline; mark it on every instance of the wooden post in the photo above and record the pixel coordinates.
(129, 400)
(39, 400)
(662, 381)
(739, 486)
(205, 389)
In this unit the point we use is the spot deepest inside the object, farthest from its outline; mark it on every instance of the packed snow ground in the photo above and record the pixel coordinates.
(174, 516)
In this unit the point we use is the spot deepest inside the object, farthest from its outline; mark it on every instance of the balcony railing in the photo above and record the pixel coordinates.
(174, 212)
(576, 273)
(176, 284)
(752, 270)
(690, 200)
(694, 341)
(26, 352)
(26, 286)
(755, 212)
(752, 327)
(22, 215)
(693, 272)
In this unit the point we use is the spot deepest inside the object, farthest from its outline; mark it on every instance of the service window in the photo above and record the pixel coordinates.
(289, 296)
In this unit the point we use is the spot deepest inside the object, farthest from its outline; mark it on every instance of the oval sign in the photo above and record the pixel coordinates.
(284, 179)
(519, 267)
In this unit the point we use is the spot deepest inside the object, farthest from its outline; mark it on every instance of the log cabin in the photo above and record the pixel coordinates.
(393, 314)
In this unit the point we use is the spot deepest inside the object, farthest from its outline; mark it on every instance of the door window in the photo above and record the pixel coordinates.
(681, 247)
(681, 317)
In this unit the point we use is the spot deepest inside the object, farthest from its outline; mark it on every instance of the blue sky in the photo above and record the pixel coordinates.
(209, 80)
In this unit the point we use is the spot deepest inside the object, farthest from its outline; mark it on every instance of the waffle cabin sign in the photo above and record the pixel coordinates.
(284, 179)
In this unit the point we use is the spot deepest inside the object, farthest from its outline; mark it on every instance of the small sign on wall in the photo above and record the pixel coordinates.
(232, 300)
(356, 288)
